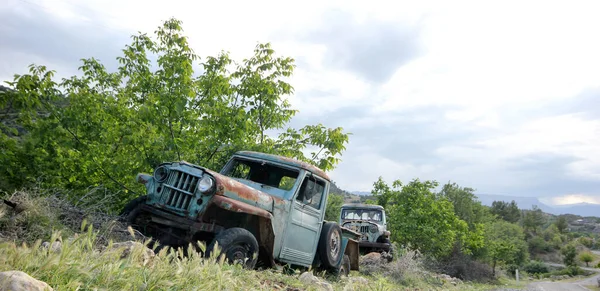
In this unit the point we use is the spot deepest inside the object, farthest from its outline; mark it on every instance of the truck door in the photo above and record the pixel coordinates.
(304, 226)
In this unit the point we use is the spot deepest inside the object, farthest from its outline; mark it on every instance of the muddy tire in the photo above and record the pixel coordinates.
(238, 245)
(133, 204)
(330, 244)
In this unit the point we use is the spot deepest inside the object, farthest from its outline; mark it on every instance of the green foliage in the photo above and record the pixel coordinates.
(507, 211)
(101, 128)
(533, 220)
(536, 267)
(586, 241)
(569, 253)
(586, 257)
(561, 224)
(334, 207)
(537, 245)
(421, 219)
(505, 243)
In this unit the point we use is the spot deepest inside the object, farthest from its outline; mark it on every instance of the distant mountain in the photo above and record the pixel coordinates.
(361, 193)
(582, 209)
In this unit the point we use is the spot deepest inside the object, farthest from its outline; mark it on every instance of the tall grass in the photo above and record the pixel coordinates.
(88, 260)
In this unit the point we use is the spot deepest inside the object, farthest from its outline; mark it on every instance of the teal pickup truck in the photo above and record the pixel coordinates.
(261, 209)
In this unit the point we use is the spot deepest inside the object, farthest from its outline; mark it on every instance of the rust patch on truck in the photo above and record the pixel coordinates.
(237, 206)
(228, 185)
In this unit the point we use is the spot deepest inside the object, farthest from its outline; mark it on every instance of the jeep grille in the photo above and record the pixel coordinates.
(364, 228)
(178, 191)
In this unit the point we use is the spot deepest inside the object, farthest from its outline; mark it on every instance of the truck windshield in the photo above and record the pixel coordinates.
(362, 214)
(263, 173)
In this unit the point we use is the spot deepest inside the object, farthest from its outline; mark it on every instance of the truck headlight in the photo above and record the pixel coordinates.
(160, 174)
(373, 228)
(205, 184)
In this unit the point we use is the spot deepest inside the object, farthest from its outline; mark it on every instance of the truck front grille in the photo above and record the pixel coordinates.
(178, 191)
(364, 228)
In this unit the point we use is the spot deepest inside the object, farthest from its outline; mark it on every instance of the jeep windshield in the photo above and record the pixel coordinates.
(262, 173)
(362, 214)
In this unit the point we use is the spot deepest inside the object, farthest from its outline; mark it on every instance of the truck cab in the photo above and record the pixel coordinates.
(258, 208)
(371, 222)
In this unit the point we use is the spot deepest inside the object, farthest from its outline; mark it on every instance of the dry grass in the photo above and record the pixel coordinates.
(87, 261)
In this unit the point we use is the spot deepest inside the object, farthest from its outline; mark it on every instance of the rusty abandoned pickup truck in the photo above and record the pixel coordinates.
(370, 221)
(260, 208)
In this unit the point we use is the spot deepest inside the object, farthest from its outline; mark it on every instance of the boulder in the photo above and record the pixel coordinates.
(373, 258)
(20, 281)
(307, 278)
(55, 247)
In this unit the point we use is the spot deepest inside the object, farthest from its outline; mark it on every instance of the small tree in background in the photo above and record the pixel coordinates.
(569, 253)
(586, 257)
(561, 224)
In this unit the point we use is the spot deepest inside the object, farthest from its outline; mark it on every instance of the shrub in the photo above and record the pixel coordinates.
(463, 267)
(569, 253)
(586, 257)
(586, 241)
(538, 245)
(536, 267)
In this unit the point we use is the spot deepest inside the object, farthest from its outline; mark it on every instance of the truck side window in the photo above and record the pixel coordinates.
(311, 192)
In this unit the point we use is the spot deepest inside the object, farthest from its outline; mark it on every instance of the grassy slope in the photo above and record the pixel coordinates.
(88, 262)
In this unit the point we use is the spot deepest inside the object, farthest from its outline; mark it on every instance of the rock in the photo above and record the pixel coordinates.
(130, 246)
(311, 280)
(371, 259)
(20, 281)
(55, 247)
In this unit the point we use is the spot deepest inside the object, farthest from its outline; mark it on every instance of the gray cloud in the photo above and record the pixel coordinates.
(373, 50)
(38, 36)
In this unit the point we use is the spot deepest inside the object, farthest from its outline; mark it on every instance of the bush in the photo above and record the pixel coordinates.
(463, 267)
(586, 257)
(536, 267)
(538, 245)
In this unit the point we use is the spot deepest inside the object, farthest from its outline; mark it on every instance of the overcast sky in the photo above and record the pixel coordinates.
(501, 97)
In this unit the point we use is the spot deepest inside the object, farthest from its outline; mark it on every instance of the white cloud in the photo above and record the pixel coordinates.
(485, 65)
(574, 198)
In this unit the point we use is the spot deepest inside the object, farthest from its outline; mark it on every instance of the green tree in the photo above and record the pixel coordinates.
(334, 207)
(505, 244)
(533, 219)
(101, 128)
(561, 224)
(506, 211)
(466, 205)
(569, 253)
(586, 257)
(421, 219)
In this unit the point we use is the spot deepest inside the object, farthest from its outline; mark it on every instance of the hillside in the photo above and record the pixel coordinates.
(581, 209)
(91, 250)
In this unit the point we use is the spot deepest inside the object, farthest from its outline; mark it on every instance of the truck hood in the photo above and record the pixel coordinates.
(235, 190)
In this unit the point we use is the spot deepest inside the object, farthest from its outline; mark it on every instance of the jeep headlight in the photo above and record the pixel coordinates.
(373, 228)
(160, 174)
(206, 184)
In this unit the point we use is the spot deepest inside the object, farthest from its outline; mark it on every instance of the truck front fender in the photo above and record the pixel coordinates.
(258, 221)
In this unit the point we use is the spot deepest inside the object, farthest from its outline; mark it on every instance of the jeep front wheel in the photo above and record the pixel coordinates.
(238, 245)
(330, 244)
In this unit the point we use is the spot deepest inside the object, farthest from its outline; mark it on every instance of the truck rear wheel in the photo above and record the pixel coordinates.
(238, 245)
(330, 244)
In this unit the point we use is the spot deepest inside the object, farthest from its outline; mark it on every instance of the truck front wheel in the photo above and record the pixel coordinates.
(330, 244)
(238, 245)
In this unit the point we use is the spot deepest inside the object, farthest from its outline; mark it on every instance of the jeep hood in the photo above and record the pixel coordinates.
(234, 190)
